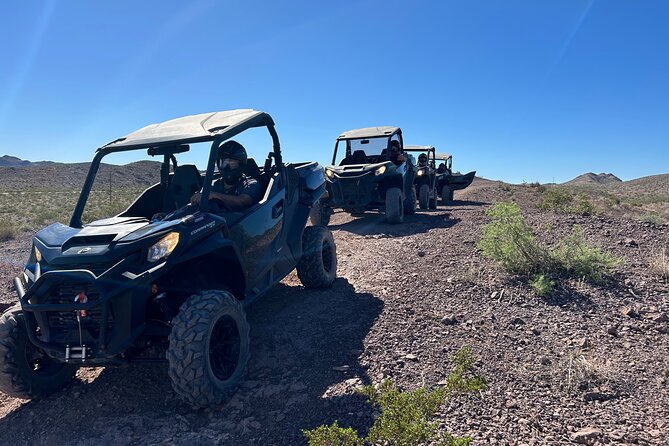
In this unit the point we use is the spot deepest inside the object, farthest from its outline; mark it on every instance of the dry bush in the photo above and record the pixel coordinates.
(660, 264)
(7, 231)
(578, 372)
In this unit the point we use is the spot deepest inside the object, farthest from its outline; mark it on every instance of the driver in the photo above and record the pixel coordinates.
(395, 155)
(422, 160)
(234, 190)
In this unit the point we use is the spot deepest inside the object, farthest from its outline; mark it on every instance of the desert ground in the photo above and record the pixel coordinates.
(407, 298)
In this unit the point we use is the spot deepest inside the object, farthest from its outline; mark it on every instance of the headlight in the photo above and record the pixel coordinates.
(163, 247)
(329, 173)
(420, 173)
(38, 254)
(380, 171)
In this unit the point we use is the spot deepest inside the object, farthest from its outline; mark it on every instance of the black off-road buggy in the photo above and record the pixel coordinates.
(447, 181)
(366, 178)
(115, 290)
(425, 181)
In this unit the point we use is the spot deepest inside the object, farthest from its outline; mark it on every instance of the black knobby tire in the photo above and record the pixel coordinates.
(446, 195)
(209, 347)
(394, 205)
(432, 204)
(318, 266)
(25, 370)
(410, 202)
(320, 214)
(424, 196)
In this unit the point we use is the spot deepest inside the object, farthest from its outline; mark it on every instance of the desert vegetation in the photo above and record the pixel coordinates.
(405, 417)
(510, 241)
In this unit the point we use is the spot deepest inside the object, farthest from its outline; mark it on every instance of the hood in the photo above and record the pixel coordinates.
(96, 239)
(359, 168)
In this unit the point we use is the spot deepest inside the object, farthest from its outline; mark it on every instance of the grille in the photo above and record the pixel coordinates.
(65, 294)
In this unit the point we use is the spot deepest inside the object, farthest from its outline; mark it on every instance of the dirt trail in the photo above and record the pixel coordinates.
(420, 289)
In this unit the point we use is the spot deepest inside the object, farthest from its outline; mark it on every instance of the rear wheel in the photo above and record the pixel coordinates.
(320, 214)
(424, 196)
(26, 371)
(318, 266)
(208, 348)
(446, 195)
(394, 205)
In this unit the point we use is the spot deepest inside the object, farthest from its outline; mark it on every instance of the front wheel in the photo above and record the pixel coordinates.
(446, 195)
(25, 370)
(424, 196)
(318, 266)
(394, 205)
(320, 214)
(410, 201)
(208, 348)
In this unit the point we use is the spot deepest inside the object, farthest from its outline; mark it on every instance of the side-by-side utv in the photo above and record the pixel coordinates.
(425, 181)
(447, 181)
(373, 174)
(165, 275)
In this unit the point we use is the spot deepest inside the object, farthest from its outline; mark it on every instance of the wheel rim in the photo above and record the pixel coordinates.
(326, 252)
(224, 348)
(39, 362)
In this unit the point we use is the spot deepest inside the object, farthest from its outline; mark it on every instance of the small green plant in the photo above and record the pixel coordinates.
(7, 231)
(577, 259)
(333, 435)
(406, 417)
(542, 285)
(511, 242)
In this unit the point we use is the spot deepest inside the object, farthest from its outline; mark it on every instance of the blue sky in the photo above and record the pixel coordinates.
(517, 90)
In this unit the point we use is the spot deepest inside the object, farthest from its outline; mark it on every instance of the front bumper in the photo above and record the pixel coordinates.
(103, 327)
(354, 192)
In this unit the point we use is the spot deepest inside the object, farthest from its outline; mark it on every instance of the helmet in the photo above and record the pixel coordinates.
(228, 153)
(422, 159)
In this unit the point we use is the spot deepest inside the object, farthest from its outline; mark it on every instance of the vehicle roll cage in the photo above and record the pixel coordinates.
(168, 148)
(397, 132)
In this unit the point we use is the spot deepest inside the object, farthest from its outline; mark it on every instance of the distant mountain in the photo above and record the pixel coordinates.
(593, 178)
(17, 174)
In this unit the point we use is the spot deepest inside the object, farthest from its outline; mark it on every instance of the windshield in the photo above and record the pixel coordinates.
(362, 150)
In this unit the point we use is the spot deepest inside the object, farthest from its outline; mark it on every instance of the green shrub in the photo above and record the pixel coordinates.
(333, 435)
(583, 205)
(557, 199)
(542, 285)
(7, 231)
(652, 218)
(406, 418)
(508, 240)
(577, 259)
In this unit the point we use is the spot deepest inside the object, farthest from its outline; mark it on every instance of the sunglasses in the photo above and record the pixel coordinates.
(230, 163)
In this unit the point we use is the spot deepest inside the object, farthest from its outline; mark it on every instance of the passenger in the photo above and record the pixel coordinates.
(396, 155)
(234, 190)
(441, 168)
(422, 160)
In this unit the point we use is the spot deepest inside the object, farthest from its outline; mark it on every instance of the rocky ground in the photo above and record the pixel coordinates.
(589, 365)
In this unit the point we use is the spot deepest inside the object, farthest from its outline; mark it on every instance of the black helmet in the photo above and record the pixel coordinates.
(231, 150)
(422, 158)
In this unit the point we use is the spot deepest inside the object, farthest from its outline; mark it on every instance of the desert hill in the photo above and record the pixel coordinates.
(18, 174)
(593, 178)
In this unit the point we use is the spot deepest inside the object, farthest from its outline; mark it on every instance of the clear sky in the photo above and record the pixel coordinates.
(517, 90)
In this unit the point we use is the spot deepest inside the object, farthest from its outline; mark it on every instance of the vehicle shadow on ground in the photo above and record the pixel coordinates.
(376, 224)
(460, 203)
(306, 349)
